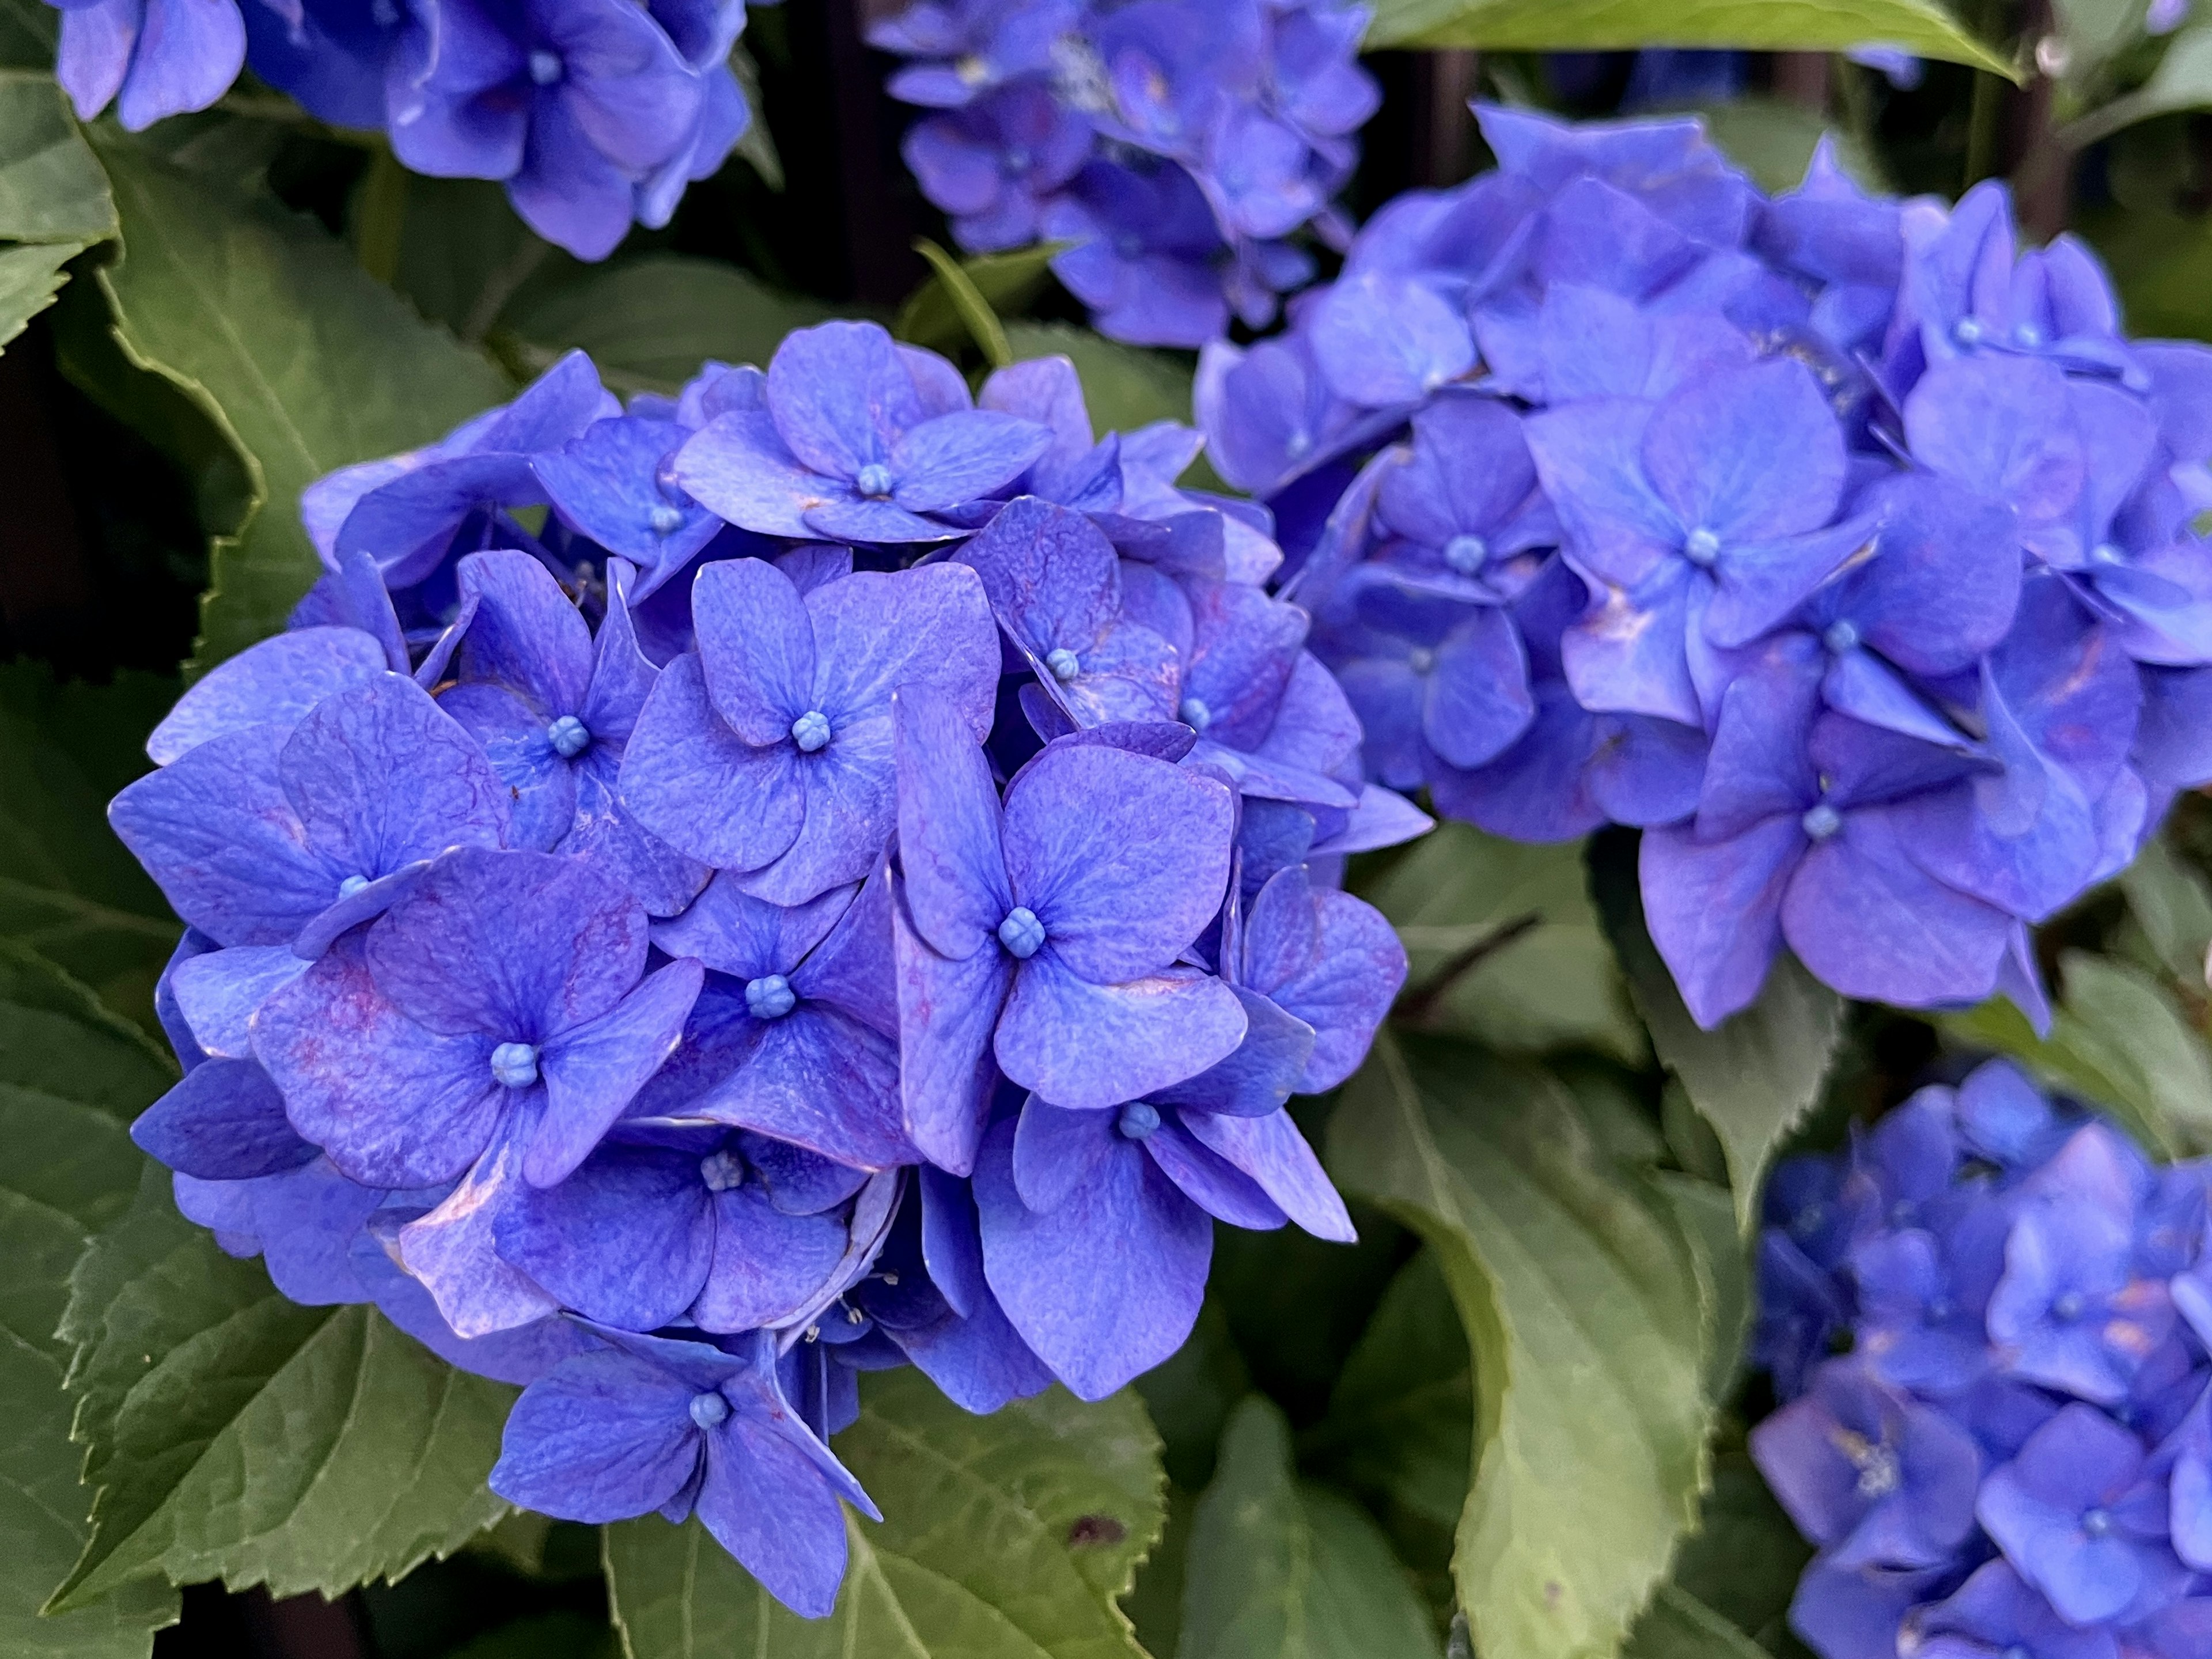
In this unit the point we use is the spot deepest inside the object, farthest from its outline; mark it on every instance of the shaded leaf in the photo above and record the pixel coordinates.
(1581, 1302)
(1920, 26)
(1541, 976)
(650, 322)
(27, 32)
(2173, 905)
(52, 188)
(2117, 1039)
(71, 1078)
(1283, 1569)
(1678, 1625)
(31, 275)
(307, 363)
(959, 295)
(1008, 1535)
(1755, 1075)
(69, 888)
(233, 1434)
(1744, 1559)
(1772, 139)
(2183, 80)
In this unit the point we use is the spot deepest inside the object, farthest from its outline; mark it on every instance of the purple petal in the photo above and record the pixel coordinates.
(1087, 1046)
(878, 634)
(1714, 908)
(1272, 1151)
(733, 932)
(736, 466)
(625, 1240)
(605, 1436)
(767, 1265)
(454, 1251)
(841, 396)
(821, 1079)
(1210, 1181)
(225, 1122)
(948, 1009)
(756, 645)
(955, 887)
(592, 1070)
(217, 992)
(1263, 1071)
(1056, 1152)
(525, 634)
(274, 683)
(766, 1501)
(693, 782)
(957, 458)
(1751, 456)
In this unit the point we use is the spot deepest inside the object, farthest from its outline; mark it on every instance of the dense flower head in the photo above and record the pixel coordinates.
(1179, 144)
(1845, 546)
(593, 114)
(855, 885)
(1988, 1335)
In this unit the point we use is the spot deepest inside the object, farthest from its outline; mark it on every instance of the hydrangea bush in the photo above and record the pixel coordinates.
(1478, 935)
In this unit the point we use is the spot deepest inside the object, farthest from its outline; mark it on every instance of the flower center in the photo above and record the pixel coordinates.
(769, 997)
(545, 67)
(2067, 1306)
(569, 737)
(722, 1171)
(352, 885)
(2028, 335)
(1821, 822)
(1967, 330)
(1016, 159)
(1138, 1119)
(1021, 932)
(2096, 1522)
(972, 71)
(1194, 714)
(1420, 659)
(1702, 548)
(1063, 663)
(873, 481)
(665, 520)
(2105, 553)
(1878, 1472)
(810, 730)
(1467, 554)
(515, 1064)
(709, 1410)
(1841, 637)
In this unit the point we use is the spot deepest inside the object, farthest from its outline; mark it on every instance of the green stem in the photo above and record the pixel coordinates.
(1988, 106)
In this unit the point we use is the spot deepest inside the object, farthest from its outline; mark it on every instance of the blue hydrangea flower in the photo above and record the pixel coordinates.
(648, 1424)
(148, 57)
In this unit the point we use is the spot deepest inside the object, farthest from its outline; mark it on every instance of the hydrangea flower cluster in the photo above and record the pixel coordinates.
(592, 113)
(2012, 1454)
(712, 896)
(1843, 546)
(1179, 143)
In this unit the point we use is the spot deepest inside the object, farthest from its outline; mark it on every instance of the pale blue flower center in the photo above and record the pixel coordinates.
(515, 1064)
(569, 737)
(2105, 553)
(709, 1410)
(1967, 330)
(2096, 1522)
(1016, 159)
(2028, 335)
(2067, 1307)
(1878, 1472)
(873, 481)
(722, 1171)
(545, 67)
(1467, 554)
(770, 997)
(1842, 636)
(1063, 663)
(352, 885)
(1822, 822)
(810, 730)
(1702, 548)
(665, 520)
(1194, 714)
(1021, 932)
(1138, 1119)
(1420, 659)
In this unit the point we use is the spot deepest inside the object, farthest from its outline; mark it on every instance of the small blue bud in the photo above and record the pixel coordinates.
(1299, 445)
(1702, 548)
(1021, 932)
(2066, 1306)
(1879, 1473)
(2028, 335)
(873, 481)
(1822, 821)
(569, 737)
(709, 1410)
(770, 997)
(1063, 663)
(1967, 331)
(665, 520)
(722, 1171)
(1420, 659)
(545, 67)
(1015, 161)
(1193, 712)
(2096, 1522)
(1841, 637)
(352, 885)
(810, 730)
(2106, 553)
(1467, 554)
(1138, 1119)
(515, 1064)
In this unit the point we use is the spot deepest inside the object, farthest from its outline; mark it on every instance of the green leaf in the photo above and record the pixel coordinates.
(1010, 1536)
(1678, 1625)
(970, 310)
(71, 1078)
(1756, 1074)
(1920, 26)
(1281, 1569)
(52, 188)
(1744, 1560)
(1772, 139)
(1401, 1424)
(758, 146)
(1724, 1264)
(307, 363)
(2117, 1038)
(69, 888)
(2183, 80)
(544, 1636)
(650, 322)
(1541, 977)
(27, 32)
(1582, 1301)
(31, 275)
(942, 317)
(232, 1433)
(2173, 905)
(1124, 387)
